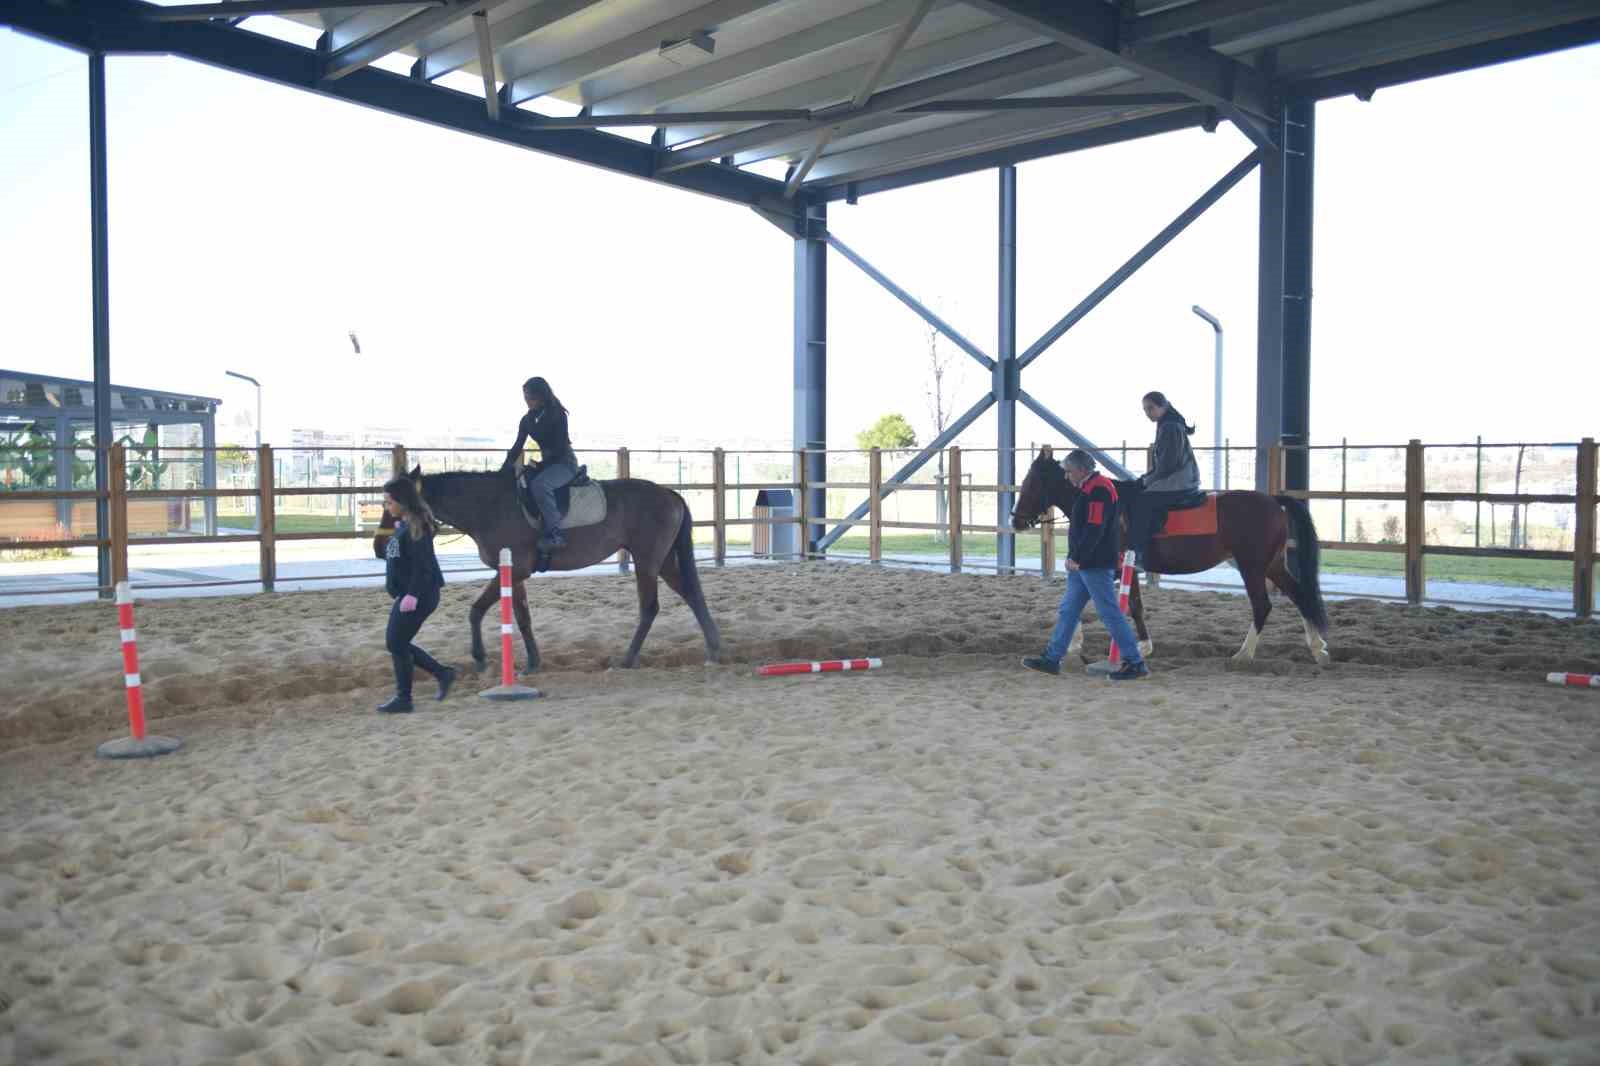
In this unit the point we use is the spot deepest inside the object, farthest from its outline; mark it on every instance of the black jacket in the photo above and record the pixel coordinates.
(410, 567)
(1092, 532)
(547, 428)
(1172, 466)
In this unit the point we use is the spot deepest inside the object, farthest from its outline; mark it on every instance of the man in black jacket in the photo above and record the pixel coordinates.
(1091, 570)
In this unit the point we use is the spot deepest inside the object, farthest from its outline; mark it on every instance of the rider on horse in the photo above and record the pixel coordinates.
(1173, 474)
(545, 424)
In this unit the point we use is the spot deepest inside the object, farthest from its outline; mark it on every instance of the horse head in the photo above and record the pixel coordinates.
(1045, 486)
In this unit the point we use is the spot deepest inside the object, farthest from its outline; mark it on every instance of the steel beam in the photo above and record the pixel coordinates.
(1055, 422)
(836, 31)
(100, 289)
(885, 102)
(247, 8)
(1095, 137)
(515, 26)
(811, 367)
(910, 301)
(952, 431)
(1044, 103)
(1143, 255)
(1007, 377)
(1239, 91)
(491, 94)
(864, 92)
(1269, 314)
(670, 118)
(403, 34)
(527, 83)
(117, 27)
(1299, 142)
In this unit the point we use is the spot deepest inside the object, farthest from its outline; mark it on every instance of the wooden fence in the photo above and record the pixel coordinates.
(123, 502)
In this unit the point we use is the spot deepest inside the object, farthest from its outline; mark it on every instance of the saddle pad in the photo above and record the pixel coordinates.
(588, 506)
(1192, 521)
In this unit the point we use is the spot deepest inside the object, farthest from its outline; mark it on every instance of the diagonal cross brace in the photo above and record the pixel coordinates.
(910, 301)
(1141, 257)
(1056, 423)
(952, 431)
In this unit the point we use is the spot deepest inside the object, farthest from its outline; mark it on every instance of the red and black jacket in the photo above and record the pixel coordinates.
(1092, 534)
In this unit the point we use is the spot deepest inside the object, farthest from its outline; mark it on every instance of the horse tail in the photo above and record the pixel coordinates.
(688, 573)
(1303, 560)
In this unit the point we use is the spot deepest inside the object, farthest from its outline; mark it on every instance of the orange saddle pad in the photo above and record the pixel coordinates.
(1192, 521)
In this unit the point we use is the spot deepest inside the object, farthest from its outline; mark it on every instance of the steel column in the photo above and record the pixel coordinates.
(811, 365)
(100, 278)
(208, 470)
(1007, 377)
(1299, 141)
(1269, 314)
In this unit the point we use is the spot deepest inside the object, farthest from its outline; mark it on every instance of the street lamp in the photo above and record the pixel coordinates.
(257, 384)
(1216, 454)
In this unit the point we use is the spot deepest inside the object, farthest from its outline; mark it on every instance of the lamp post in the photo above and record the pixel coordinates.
(257, 384)
(1217, 456)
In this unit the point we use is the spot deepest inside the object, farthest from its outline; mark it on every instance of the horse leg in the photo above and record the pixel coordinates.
(1279, 574)
(1255, 586)
(1136, 608)
(671, 574)
(649, 607)
(519, 606)
(480, 607)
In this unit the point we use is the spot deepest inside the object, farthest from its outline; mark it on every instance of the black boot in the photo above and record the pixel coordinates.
(401, 703)
(552, 541)
(447, 677)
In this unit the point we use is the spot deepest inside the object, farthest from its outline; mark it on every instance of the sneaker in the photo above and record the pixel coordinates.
(1043, 665)
(447, 679)
(1129, 671)
(397, 705)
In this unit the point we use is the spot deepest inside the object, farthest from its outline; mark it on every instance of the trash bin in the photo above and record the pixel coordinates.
(781, 540)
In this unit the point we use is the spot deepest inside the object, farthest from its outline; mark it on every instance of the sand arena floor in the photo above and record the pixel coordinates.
(1394, 859)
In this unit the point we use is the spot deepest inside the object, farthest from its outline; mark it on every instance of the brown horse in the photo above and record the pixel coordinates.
(1271, 539)
(650, 522)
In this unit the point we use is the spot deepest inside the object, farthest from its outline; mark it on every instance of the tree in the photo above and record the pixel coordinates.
(1361, 532)
(890, 431)
(1391, 530)
(944, 369)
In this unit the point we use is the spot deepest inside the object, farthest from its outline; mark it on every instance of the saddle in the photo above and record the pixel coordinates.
(1194, 515)
(580, 502)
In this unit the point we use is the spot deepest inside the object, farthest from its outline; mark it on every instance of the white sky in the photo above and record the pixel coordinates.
(253, 226)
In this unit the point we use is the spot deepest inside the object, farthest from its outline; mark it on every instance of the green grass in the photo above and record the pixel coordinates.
(288, 523)
(1474, 570)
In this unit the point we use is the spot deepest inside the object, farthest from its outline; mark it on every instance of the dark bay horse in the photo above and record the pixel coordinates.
(651, 522)
(1270, 538)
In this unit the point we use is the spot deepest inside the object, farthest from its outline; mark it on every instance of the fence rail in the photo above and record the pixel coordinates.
(953, 495)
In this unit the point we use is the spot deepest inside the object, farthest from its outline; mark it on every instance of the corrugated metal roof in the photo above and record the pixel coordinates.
(861, 93)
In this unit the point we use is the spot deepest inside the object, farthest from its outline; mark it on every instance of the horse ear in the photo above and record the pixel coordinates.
(1045, 452)
(416, 472)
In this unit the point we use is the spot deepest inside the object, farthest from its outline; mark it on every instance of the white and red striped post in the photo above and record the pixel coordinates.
(508, 689)
(1124, 590)
(1575, 680)
(137, 745)
(824, 666)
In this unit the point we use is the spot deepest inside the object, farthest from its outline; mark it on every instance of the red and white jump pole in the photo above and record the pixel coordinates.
(1124, 590)
(508, 689)
(825, 666)
(137, 745)
(1575, 680)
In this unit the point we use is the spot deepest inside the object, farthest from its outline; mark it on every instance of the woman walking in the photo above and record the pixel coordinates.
(412, 577)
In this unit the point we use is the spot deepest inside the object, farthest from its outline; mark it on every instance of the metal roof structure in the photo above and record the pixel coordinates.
(855, 96)
(786, 106)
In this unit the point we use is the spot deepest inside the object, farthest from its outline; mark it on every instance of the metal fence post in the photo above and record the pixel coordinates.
(1583, 532)
(1344, 483)
(266, 517)
(1477, 505)
(1415, 534)
(801, 504)
(1227, 464)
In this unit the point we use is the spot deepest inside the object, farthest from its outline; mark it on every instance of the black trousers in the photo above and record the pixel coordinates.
(403, 629)
(1145, 511)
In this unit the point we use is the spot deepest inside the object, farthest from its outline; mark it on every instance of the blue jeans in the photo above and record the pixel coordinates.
(542, 488)
(1082, 587)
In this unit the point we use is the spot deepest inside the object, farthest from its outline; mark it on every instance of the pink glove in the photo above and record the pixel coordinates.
(408, 604)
